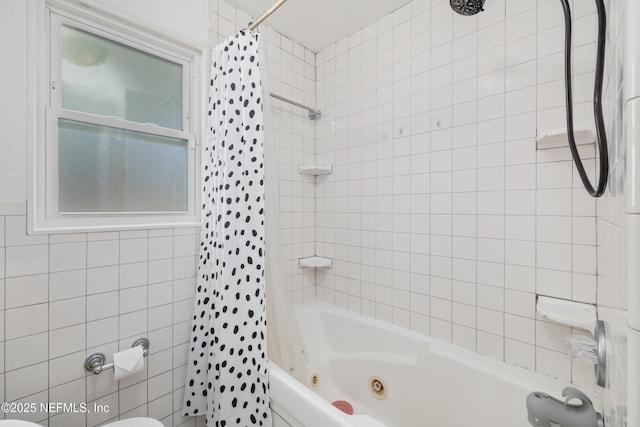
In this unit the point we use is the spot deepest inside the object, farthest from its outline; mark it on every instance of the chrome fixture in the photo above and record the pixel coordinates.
(253, 25)
(546, 411)
(591, 351)
(601, 365)
(95, 362)
(312, 112)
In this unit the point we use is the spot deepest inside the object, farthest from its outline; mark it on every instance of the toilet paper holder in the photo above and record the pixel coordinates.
(95, 362)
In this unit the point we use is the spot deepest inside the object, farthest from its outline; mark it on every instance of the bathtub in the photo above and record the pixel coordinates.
(428, 383)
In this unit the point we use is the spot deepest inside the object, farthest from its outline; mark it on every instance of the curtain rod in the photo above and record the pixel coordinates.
(313, 113)
(253, 25)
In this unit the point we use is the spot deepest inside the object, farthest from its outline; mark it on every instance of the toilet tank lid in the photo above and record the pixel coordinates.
(135, 422)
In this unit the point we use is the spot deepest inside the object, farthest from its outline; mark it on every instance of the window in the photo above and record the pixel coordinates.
(117, 147)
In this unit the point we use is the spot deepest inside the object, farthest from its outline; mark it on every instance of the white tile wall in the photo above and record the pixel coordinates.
(66, 296)
(441, 216)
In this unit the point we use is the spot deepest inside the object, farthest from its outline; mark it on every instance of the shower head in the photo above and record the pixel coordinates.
(467, 7)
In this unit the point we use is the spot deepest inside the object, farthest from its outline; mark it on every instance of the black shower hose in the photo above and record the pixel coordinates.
(601, 136)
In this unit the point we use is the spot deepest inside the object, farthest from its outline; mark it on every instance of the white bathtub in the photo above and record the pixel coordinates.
(429, 383)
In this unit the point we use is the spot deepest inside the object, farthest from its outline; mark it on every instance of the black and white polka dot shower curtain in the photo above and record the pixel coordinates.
(227, 376)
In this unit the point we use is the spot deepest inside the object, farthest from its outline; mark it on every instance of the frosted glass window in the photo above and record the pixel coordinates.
(103, 77)
(118, 148)
(104, 169)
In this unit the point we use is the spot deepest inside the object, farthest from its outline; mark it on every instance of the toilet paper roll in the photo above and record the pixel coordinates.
(128, 362)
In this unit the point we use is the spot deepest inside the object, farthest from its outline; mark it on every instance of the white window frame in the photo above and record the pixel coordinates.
(46, 18)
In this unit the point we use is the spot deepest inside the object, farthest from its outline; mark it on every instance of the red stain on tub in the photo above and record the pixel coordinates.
(344, 406)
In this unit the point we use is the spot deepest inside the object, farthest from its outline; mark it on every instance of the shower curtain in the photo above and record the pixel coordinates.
(283, 335)
(227, 376)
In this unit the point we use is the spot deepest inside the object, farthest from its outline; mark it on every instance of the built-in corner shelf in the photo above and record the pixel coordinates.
(315, 169)
(559, 138)
(315, 262)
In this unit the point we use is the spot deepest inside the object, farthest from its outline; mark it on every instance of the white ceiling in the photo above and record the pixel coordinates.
(317, 23)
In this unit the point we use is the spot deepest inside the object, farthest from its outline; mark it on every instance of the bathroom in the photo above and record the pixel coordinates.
(421, 199)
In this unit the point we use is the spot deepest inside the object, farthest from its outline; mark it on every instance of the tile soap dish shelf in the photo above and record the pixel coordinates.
(315, 262)
(581, 348)
(569, 313)
(559, 138)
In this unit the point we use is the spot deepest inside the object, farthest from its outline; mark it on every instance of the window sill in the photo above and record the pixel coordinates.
(81, 225)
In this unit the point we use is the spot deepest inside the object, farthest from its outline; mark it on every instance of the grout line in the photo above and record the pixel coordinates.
(477, 169)
(535, 217)
(504, 196)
